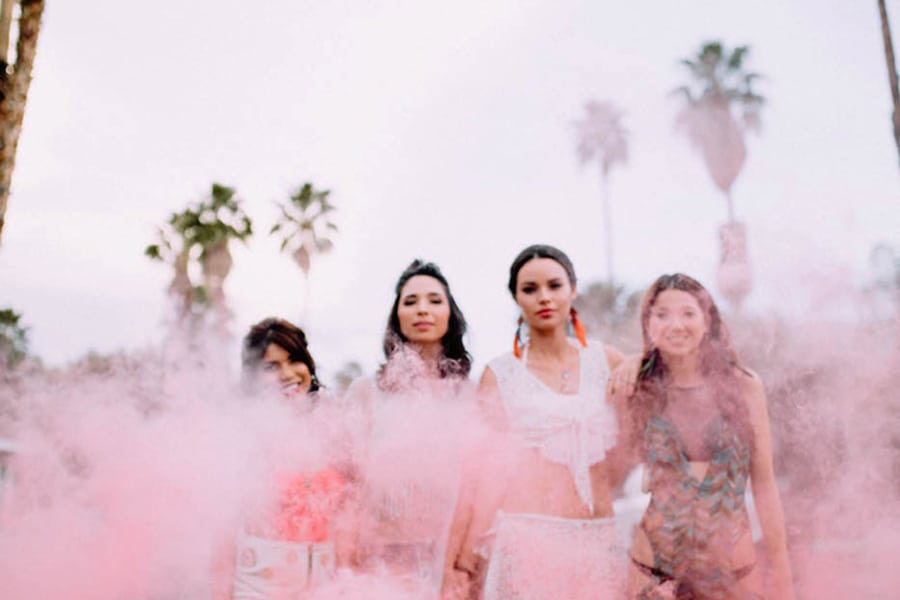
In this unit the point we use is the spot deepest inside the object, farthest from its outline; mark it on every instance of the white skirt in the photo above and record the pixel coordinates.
(540, 557)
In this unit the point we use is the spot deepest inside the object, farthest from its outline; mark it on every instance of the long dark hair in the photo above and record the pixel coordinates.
(456, 360)
(717, 360)
(539, 251)
(283, 334)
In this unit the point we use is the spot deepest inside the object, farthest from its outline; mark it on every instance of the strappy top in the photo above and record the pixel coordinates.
(574, 430)
(693, 524)
(693, 412)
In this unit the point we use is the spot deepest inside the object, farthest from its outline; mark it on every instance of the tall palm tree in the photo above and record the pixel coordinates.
(15, 80)
(602, 138)
(892, 70)
(305, 227)
(719, 107)
(201, 234)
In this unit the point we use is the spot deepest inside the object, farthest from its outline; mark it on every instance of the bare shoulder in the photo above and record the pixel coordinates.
(753, 391)
(613, 356)
(488, 380)
(489, 399)
(749, 380)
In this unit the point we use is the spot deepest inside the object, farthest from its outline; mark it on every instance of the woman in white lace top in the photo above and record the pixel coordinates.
(541, 510)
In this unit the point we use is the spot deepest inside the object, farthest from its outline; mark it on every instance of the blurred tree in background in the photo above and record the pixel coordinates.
(305, 228)
(13, 339)
(15, 79)
(348, 373)
(881, 294)
(200, 235)
(603, 139)
(719, 107)
(610, 313)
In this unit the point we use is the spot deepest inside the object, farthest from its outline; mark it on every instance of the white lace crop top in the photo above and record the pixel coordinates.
(574, 430)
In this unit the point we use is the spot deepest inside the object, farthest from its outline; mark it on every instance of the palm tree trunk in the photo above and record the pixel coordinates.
(307, 293)
(607, 226)
(892, 70)
(730, 204)
(14, 91)
(6, 11)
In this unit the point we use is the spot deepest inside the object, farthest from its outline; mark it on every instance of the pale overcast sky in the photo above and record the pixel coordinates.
(444, 130)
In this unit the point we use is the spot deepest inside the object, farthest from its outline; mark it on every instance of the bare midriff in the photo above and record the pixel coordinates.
(540, 486)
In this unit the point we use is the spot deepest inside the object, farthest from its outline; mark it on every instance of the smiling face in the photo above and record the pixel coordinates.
(544, 293)
(676, 323)
(292, 377)
(423, 310)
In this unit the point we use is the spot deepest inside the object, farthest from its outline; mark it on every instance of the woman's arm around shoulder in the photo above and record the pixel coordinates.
(623, 372)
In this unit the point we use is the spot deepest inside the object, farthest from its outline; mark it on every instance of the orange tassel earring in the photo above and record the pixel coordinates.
(517, 349)
(578, 328)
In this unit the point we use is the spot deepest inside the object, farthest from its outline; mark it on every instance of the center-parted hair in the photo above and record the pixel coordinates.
(553, 253)
(456, 360)
(539, 251)
(284, 334)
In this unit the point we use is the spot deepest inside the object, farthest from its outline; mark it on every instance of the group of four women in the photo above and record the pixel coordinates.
(505, 491)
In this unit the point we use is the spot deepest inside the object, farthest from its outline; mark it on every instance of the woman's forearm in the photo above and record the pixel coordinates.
(775, 542)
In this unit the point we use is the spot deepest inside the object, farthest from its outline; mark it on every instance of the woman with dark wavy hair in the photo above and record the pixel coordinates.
(293, 539)
(426, 319)
(701, 428)
(412, 418)
(276, 351)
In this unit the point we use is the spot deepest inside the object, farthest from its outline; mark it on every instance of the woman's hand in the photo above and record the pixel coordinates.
(456, 585)
(623, 380)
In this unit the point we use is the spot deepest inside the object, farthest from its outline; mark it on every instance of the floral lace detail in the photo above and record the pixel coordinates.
(575, 430)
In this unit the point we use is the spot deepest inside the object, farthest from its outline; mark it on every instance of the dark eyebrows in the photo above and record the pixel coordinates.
(552, 280)
(415, 296)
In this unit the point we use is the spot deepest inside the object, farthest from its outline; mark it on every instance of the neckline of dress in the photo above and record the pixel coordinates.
(524, 363)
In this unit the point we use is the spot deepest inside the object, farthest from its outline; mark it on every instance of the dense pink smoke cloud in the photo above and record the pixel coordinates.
(835, 412)
(117, 498)
(128, 481)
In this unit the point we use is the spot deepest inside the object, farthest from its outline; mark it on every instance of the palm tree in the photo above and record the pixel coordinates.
(603, 138)
(305, 227)
(892, 69)
(610, 311)
(720, 106)
(14, 83)
(13, 339)
(201, 233)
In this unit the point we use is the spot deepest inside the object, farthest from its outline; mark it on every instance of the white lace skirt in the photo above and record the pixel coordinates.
(539, 557)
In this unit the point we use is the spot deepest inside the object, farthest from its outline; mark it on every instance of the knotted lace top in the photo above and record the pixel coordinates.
(574, 430)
